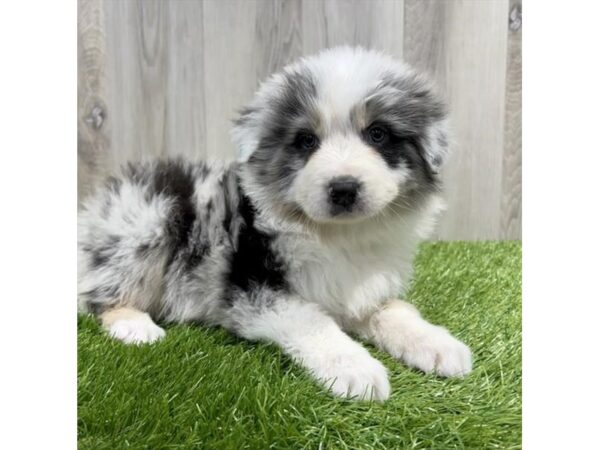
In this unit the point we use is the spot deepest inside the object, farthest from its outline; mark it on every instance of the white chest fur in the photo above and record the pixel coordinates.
(352, 270)
(348, 280)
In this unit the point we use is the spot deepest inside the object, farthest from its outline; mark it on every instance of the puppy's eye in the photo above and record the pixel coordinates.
(307, 141)
(377, 134)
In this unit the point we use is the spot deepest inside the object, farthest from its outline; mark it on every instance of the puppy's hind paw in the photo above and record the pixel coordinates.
(136, 330)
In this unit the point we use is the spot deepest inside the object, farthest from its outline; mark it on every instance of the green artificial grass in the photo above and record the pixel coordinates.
(204, 388)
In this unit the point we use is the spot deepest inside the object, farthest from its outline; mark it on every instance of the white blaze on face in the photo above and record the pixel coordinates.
(345, 76)
(346, 155)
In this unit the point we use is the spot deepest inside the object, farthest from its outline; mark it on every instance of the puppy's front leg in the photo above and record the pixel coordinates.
(315, 341)
(399, 329)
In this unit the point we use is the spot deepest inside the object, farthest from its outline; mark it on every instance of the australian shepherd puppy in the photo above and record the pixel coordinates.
(309, 236)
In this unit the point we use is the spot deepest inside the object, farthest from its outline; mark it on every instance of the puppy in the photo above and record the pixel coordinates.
(307, 237)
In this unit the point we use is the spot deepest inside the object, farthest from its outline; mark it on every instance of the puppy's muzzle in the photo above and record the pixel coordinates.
(343, 194)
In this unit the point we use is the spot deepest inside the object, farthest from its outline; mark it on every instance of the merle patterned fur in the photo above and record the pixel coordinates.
(254, 246)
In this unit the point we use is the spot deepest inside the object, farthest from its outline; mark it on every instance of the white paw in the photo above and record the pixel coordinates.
(136, 330)
(434, 349)
(355, 375)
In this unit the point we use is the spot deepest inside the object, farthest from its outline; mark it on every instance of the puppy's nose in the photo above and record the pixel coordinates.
(343, 191)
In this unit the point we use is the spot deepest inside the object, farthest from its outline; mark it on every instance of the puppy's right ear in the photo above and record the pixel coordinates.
(245, 132)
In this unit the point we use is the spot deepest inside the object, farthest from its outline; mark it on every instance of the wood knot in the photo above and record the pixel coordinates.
(96, 117)
(514, 19)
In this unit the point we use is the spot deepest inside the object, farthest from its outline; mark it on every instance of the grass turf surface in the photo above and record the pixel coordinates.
(203, 388)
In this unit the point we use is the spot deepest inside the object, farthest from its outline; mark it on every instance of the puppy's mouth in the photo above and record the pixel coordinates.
(330, 214)
(343, 200)
(352, 213)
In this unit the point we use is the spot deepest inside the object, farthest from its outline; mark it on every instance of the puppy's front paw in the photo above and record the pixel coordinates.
(356, 375)
(136, 330)
(434, 349)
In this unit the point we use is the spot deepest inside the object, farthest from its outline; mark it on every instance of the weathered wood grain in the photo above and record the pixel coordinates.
(425, 38)
(278, 38)
(511, 171)
(463, 44)
(245, 42)
(92, 139)
(373, 24)
(155, 69)
(185, 115)
(230, 70)
(137, 69)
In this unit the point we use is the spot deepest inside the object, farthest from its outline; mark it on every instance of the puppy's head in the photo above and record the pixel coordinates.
(342, 136)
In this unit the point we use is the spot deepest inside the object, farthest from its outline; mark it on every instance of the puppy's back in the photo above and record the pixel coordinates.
(153, 223)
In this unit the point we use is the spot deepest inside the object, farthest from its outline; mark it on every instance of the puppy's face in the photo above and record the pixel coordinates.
(342, 136)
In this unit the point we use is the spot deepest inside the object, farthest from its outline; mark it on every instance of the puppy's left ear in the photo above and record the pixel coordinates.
(436, 145)
(245, 132)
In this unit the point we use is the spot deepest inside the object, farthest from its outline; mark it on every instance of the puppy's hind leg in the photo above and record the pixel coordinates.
(131, 326)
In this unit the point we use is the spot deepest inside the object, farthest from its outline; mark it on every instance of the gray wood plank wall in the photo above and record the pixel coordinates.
(165, 77)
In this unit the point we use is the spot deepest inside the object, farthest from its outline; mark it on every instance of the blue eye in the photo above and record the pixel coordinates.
(307, 141)
(377, 134)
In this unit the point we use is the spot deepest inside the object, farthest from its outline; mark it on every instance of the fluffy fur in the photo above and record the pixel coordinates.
(310, 235)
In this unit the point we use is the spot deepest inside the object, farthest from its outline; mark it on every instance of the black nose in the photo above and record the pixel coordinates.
(343, 191)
